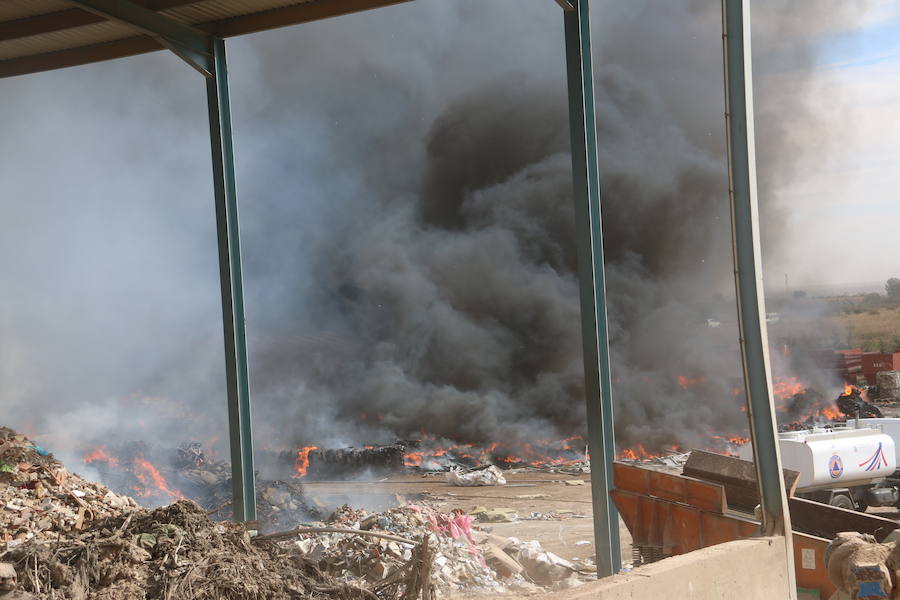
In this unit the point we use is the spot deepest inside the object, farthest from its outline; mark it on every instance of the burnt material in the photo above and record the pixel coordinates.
(350, 463)
(853, 405)
(341, 463)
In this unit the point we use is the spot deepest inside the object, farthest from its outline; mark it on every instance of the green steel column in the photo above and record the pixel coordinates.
(236, 371)
(751, 305)
(592, 285)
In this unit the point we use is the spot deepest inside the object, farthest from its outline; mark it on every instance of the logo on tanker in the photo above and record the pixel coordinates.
(874, 462)
(835, 466)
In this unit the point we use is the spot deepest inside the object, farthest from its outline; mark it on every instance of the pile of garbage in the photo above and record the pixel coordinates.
(174, 552)
(66, 538)
(364, 549)
(40, 500)
(189, 472)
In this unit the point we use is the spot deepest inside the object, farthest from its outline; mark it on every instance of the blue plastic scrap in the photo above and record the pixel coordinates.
(40, 450)
(870, 589)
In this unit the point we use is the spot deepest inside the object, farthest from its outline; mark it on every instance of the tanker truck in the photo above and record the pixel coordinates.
(850, 467)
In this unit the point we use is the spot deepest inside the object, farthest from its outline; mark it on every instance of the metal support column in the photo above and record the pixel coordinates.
(751, 304)
(236, 370)
(592, 284)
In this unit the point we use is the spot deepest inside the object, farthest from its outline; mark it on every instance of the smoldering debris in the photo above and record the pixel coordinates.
(67, 538)
(852, 404)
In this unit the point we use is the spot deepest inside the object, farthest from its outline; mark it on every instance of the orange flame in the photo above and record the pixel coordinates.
(832, 414)
(413, 459)
(301, 464)
(149, 475)
(735, 440)
(686, 382)
(639, 452)
(785, 388)
(100, 453)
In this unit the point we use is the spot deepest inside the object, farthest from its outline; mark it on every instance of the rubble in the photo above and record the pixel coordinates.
(852, 404)
(40, 499)
(464, 558)
(66, 538)
(174, 552)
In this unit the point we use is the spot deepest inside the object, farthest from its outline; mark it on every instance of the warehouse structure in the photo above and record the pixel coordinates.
(42, 35)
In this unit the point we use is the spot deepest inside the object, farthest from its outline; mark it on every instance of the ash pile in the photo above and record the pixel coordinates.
(67, 538)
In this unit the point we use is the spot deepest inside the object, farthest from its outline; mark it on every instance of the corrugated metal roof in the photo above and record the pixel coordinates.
(39, 35)
(20, 9)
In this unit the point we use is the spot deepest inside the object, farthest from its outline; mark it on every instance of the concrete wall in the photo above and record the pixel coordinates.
(752, 569)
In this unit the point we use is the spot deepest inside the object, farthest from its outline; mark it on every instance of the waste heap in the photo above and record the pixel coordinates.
(464, 557)
(66, 538)
(40, 499)
(852, 404)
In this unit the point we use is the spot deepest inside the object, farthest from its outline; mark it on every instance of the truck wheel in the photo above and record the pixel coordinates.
(842, 501)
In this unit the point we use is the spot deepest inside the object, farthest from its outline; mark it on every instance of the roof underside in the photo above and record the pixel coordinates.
(40, 35)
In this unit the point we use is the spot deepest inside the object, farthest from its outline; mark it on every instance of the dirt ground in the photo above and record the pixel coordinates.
(525, 493)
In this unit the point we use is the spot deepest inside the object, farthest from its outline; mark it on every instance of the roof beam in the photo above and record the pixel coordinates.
(313, 10)
(189, 44)
(83, 55)
(147, 21)
(70, 57)
(69, 19)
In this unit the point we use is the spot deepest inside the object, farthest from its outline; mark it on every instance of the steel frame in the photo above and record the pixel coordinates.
(592, 284)
(237, 375)
(206, 53)
(751, 305)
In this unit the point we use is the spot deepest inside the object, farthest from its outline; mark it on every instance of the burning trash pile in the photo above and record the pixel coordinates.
(189, 472)
(65, 538)
(429, 454)
(853, 404)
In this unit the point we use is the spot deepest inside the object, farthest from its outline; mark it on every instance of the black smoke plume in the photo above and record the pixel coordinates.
(407, 211)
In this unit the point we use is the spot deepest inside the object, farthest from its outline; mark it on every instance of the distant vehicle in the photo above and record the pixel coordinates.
(772, 317)
(713, 322)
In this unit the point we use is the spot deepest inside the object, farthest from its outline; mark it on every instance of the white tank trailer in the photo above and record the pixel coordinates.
(848, 467)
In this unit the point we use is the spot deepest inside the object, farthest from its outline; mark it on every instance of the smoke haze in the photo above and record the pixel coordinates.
(408, 232)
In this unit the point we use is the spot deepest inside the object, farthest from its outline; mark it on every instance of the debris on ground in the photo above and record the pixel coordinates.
(39, 498)
(489, 476)
(66, 538)
(174, 552)
(852, 404)
(495, 515)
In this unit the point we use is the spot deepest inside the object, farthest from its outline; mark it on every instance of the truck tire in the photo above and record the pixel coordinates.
(842, 501)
